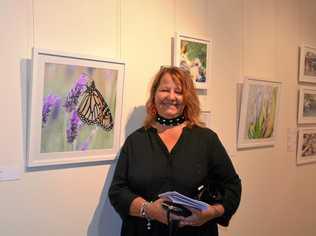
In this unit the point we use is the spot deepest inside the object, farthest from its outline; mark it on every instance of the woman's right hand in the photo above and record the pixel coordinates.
(155, 211)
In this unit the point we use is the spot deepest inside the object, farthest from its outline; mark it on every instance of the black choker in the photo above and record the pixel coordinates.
(170, 122)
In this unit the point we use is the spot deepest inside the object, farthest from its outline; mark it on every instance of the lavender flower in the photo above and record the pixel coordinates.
(85, 145)
(56, 109)
(50, 105)
(73, 127)
(75, 92)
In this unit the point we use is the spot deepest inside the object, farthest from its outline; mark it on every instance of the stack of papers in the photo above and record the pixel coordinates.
(184, 200)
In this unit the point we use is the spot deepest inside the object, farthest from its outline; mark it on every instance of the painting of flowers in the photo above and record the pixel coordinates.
(306, 151)
(191, 54)
(258, 115)
(64, 86)
(76, 113)
(307, 64)
(307, 105)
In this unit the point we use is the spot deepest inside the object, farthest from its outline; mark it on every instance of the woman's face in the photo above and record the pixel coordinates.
(169, 98)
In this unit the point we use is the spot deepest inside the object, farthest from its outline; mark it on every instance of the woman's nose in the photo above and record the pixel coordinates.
(172, 95)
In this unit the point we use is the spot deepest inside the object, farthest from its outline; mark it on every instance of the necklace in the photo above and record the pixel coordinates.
(170, 122)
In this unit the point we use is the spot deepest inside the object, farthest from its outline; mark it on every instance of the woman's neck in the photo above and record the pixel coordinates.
(163, 128)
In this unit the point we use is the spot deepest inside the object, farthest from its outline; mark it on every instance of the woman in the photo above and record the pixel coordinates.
(172, 152)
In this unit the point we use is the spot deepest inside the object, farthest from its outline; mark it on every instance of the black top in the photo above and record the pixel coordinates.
(146, 168)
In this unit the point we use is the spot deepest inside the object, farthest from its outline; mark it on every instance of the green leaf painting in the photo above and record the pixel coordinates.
(261, 111)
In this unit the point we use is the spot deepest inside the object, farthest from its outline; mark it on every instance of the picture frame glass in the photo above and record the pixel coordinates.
(307, 64)
(62, 129)
(259, 113)
(307, 105)
(310, 63)
(192, 54)
(306, 151)
(76, 105)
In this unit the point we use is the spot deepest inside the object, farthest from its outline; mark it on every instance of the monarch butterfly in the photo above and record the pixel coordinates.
(93, 109)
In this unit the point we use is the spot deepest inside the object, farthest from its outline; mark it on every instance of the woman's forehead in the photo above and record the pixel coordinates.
(167, 79)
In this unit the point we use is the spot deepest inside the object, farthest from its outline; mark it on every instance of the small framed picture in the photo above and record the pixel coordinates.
(306, 149)
(75, 110)
(258, 113)
(307, 64)
(206, 118)
(193, 54)
(307, 105)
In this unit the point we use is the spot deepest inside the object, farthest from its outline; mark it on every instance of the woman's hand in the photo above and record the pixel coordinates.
(199, 218)
(155, 211)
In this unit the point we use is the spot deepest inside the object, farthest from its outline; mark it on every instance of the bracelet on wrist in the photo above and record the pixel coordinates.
(143, 214)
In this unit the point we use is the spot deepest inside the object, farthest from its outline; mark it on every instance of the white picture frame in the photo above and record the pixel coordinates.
(66, 138)
(307, 68)
(306, 148)
(206, 118)
(259, 111)
(192, 53)
(307, 105)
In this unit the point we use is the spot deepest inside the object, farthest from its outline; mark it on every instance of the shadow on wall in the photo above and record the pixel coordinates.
(105, 221)
(26, 79)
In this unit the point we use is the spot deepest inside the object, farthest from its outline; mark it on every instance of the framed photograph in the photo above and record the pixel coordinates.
(307, 64)
(258, 113)
(306, 149)
(307, 105)
(75, 108)
(192, 54)
(206, 118)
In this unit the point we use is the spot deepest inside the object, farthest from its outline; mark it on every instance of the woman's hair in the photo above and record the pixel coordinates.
(191, 102)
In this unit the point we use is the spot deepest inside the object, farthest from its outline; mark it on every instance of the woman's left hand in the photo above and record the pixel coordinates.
(199, 218)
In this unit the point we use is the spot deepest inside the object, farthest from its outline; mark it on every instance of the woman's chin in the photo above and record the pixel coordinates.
(170, 115)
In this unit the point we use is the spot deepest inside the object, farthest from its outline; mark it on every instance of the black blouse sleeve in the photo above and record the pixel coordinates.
(120, 194)
(222, 171)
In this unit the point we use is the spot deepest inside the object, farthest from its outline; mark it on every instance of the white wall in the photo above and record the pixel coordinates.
(249, 37)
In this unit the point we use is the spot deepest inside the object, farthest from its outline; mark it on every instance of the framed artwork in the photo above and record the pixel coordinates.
(206, 118)
(76, 106)
(307, 105)
(258, 113)
(192, 54)
(306, 149)
(307, 64)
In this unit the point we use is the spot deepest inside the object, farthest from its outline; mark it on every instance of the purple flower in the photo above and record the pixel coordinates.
(50, 104)
(73, 127)
(84, 146)
(56, 109)
(75, 92)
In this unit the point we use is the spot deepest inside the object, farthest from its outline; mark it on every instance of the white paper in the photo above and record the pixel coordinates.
(184, 200)
(9, 173)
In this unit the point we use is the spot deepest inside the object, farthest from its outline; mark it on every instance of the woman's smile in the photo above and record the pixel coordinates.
(169, 98)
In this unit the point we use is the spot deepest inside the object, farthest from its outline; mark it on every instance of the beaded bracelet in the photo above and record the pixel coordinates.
(143, 214)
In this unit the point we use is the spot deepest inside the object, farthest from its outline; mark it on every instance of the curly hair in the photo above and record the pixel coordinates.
(190, 99)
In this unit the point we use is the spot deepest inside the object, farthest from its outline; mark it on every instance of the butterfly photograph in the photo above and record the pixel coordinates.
(75, 109)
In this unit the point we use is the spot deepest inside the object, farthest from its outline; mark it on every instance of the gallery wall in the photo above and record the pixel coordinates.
(249, 37)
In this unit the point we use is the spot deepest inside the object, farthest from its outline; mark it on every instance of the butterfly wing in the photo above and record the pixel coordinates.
(93, 109)
(88, 109)
(105, 119)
